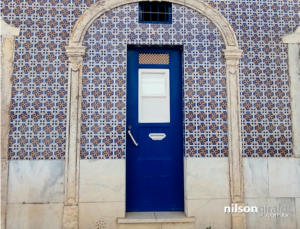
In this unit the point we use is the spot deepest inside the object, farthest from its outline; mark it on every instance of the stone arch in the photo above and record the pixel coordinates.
(76, 51)
(95, 11)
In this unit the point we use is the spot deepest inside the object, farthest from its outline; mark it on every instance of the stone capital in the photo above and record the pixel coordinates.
(7, 30)
(232, 54)
(75, 54)
(75, 51)
(293, 38)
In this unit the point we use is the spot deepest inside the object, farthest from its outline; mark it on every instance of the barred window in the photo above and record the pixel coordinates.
(155, 12)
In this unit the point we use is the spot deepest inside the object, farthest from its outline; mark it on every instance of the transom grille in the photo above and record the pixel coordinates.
(154, 58)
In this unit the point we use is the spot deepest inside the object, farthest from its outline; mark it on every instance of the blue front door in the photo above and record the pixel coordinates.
(154, 135)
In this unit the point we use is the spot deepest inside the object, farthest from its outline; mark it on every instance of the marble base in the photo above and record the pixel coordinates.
(206, 178)
(107, 213)
(102, 181)
(253, 221)
(209, 213)
(297, 203)
(256, 177)
(36, 181)
(34, 216)
(284, 177)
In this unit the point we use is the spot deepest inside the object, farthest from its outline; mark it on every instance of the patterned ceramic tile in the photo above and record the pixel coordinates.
(38, 113)
(104, 81)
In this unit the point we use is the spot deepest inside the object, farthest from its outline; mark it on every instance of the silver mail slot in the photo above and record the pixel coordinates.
(157, 136)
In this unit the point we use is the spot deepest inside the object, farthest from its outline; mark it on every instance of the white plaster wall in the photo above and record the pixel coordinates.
(36, 181)
(272, 181)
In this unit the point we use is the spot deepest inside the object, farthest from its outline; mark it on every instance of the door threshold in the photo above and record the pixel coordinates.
(155, 217)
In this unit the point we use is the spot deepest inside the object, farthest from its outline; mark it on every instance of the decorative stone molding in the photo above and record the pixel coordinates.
(75, 55)
(234, 126)
(7, 30)
(293, 38)
(70, 214)
(234, 133)
(95, 11)
(8, 34)
(293, 41)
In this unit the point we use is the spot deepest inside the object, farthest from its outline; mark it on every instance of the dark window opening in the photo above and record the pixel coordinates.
(155, 12)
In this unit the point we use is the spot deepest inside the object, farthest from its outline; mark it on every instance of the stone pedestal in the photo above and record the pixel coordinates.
(70, 217)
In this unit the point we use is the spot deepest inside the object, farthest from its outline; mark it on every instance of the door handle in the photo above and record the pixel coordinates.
(132, 138)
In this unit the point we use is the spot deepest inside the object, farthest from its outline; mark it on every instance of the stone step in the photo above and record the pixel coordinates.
(156, 226)
(156, 220)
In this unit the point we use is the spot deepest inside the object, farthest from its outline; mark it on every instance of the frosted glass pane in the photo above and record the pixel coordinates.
(154, 110)
(154, 96)
(153, 84)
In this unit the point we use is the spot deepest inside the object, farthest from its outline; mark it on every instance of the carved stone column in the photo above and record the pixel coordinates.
(70, 217)
(293, 41)
(234, 135)
(8, 34)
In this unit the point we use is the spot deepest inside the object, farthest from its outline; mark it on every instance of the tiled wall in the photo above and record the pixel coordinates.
(38, 114)
(104, 84)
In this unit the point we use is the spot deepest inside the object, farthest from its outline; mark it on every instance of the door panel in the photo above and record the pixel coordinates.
(154, 168)
(154, 149)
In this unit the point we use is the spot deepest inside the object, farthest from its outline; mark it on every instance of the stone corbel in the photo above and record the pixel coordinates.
(293, 41)
(8, 34)
(70, 217)
(234, 134)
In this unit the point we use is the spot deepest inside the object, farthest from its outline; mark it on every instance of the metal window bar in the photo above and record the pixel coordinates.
(155, 13)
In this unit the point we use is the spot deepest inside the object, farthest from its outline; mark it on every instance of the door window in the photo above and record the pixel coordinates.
(154, 96)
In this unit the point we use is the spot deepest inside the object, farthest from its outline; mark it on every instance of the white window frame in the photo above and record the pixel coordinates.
(166, 96)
